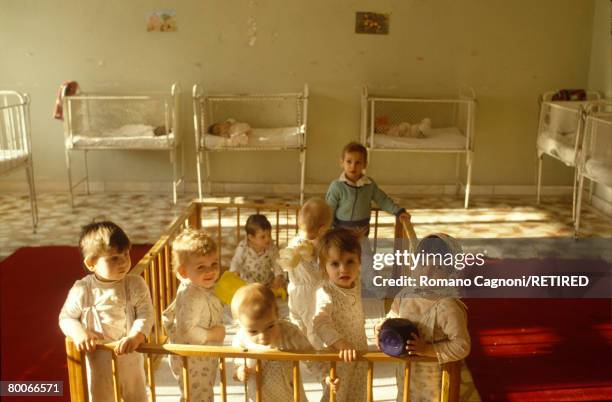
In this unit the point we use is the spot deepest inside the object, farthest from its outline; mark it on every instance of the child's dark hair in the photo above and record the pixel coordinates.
(257, 222)
(100, 237)
(211, 128)
(355, 147)
(345, 240)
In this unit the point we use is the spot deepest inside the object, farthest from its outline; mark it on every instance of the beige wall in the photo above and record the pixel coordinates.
(600, 72)
(509, 51)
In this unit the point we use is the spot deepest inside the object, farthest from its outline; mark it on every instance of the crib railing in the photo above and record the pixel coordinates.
(16, 141)
(449, 385)
(156, 268)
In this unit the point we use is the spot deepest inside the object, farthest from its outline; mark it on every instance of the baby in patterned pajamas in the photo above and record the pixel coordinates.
(255, 259)
(196, 315)
(254, 307)
(339, 319)
(299, 259)
(109, 305)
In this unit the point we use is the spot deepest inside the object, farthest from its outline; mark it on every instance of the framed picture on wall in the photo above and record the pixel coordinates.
(371, 23)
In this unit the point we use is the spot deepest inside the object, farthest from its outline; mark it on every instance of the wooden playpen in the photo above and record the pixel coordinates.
(226, 219)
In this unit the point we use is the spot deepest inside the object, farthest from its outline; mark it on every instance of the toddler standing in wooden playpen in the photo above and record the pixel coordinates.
(195, 317)
(109, 305)
(300, 260)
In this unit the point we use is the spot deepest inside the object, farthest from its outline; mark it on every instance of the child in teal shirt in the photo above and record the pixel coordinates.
(351, 195)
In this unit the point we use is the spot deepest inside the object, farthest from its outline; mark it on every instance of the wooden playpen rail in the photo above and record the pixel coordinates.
(156, 268)
(449, 386)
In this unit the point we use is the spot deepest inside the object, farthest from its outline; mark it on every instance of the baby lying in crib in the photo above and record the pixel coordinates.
(236, 132)
(402, 129)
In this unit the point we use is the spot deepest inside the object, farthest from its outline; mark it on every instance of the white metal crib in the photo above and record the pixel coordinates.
(16, 142)
(560, 132)
(451, 129)
(147, 121)
(595, 160)
(278, 122)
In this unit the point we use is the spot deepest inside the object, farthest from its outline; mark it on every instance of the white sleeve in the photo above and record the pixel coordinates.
(238, 259)
(323, 324)
(72, 309)
(452, 319)
(276, 268)
(143, 306)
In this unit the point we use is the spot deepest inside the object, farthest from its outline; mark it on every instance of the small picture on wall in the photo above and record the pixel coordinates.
(371, 23)
(162, 21)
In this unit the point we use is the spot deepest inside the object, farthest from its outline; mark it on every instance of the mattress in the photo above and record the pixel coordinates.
(80, 141)
(9, 158)
(598, 170)
(558, 145)
(261, 138)
(435, 138)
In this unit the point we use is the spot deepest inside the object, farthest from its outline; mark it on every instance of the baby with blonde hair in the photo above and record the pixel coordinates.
(299, 259)
(255, 310)
(195, 316)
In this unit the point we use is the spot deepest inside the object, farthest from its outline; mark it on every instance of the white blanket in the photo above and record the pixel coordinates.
(121, 142)
(558, 145)
(10, 158)
(435, 138)
(600, 171)
(261, 138)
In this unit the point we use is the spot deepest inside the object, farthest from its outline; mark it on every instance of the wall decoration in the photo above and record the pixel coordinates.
(162, 21)
(371, 23)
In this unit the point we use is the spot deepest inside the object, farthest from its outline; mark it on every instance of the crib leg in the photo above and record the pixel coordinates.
(457, 171)
(303, 174)
(199, 172)
(86, 172)
(574, 193)
(68, 167)
(578, 205)
(539, 180)
(468, 181)
(207, 173)
(591, 191)
(33, 204)
(173, 161)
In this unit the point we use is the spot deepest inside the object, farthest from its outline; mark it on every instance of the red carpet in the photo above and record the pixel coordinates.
(541, 350)
(523, 350)
(34, 282)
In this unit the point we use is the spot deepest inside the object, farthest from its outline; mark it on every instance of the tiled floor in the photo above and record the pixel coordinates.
(145, 216)
(505, 226)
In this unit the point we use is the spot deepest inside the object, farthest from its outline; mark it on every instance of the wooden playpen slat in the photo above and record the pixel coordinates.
(153, 272)
(168, 272)
(219, 244)
(162, 287)
(296, 381)
(451, 382)
(332, 376)
(258, 374)
(185, 372)
(370, 391)
(375, 230)
(76, 373)
(151, 377)
(223, 379)
(237, 225)
(116, 387)
(406, 396)
(277, 225)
